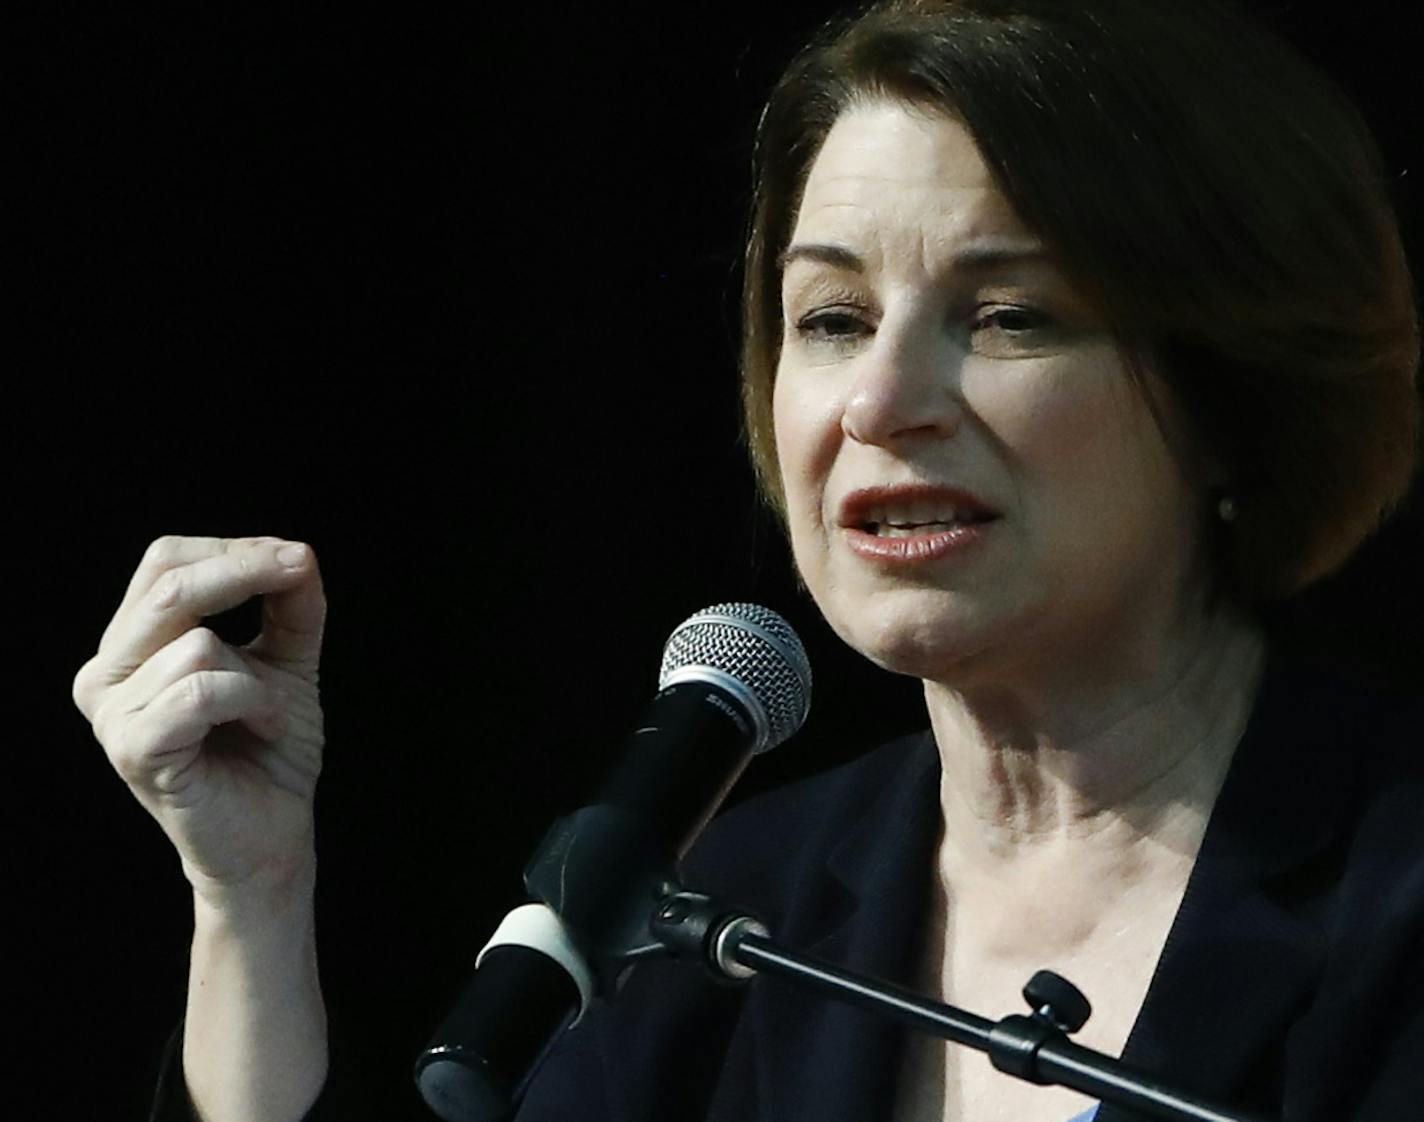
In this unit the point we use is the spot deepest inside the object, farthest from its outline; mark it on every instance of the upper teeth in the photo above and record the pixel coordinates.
(911, 515)
(891, 530)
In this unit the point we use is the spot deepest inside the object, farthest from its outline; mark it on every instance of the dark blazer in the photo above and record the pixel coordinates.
(1291, 983)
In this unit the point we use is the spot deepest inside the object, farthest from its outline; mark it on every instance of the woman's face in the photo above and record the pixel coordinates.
(972, 479)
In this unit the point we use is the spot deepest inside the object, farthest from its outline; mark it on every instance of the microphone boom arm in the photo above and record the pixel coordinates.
(734, 945)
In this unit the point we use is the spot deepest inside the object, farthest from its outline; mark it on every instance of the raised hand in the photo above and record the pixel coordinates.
(222, 745)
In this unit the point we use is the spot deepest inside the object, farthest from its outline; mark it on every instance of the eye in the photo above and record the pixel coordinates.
(1000, 330)
(836, 326)
(1009, 319)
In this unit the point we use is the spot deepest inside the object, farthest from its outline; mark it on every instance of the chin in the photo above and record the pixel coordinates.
(922, 633)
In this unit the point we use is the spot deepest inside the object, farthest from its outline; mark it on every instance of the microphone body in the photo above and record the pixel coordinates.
(734, 681)
(603, 867)
(524, 992)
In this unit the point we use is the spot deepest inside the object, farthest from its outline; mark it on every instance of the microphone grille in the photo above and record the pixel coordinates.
(756, 647)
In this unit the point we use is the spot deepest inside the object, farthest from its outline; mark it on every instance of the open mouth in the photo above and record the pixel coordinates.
(913, 522)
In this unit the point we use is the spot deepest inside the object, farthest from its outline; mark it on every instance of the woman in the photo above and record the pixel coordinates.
(1075, 334)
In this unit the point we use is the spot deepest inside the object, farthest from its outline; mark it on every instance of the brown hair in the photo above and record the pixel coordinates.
(1220, 200)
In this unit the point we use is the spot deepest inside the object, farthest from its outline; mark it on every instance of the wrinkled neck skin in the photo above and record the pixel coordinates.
(1097, 768)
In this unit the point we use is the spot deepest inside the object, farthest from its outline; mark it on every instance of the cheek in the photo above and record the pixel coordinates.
(1063, 426)
(803, 449)
(807, 439)
(1098, 487)
(1032, 408)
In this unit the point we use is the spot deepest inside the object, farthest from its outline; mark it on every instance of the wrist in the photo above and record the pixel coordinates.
(277, 893)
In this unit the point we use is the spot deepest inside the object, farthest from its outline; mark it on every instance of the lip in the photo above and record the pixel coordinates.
(857, 506)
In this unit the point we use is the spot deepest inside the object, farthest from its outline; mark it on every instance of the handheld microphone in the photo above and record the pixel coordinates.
(734, 682)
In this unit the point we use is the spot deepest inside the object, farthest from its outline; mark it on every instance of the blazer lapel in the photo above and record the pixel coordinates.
(1243, 953)
(820, 1058)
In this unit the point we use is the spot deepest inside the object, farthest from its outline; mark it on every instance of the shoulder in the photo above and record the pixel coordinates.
(1334, 744)
(1345, 760)
(1326, 784)
(796, 856)
(832, 794)
(1362, 744)
(767, 855)
(772, 838)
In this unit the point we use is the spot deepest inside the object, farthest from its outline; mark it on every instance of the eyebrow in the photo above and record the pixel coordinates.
(977, 257)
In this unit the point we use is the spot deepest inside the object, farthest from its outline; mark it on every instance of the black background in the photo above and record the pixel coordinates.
(450, 295)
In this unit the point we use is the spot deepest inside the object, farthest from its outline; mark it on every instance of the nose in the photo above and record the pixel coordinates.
(906, 387)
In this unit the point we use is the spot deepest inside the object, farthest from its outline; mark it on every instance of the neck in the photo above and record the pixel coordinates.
(1121, 761)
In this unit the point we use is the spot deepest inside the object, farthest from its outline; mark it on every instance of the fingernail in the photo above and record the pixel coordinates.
(292, 556)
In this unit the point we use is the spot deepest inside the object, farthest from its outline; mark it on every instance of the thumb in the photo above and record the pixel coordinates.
(293, 619)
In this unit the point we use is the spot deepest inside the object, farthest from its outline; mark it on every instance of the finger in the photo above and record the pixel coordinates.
(163, 737)
(98, 675)
(173, 550)
(195, 650)
(182, 596)
(293, 620)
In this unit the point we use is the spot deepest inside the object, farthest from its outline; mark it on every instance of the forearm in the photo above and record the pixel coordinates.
(255, 1039)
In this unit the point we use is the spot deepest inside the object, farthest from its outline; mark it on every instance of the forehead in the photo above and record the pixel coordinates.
(889, 171)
